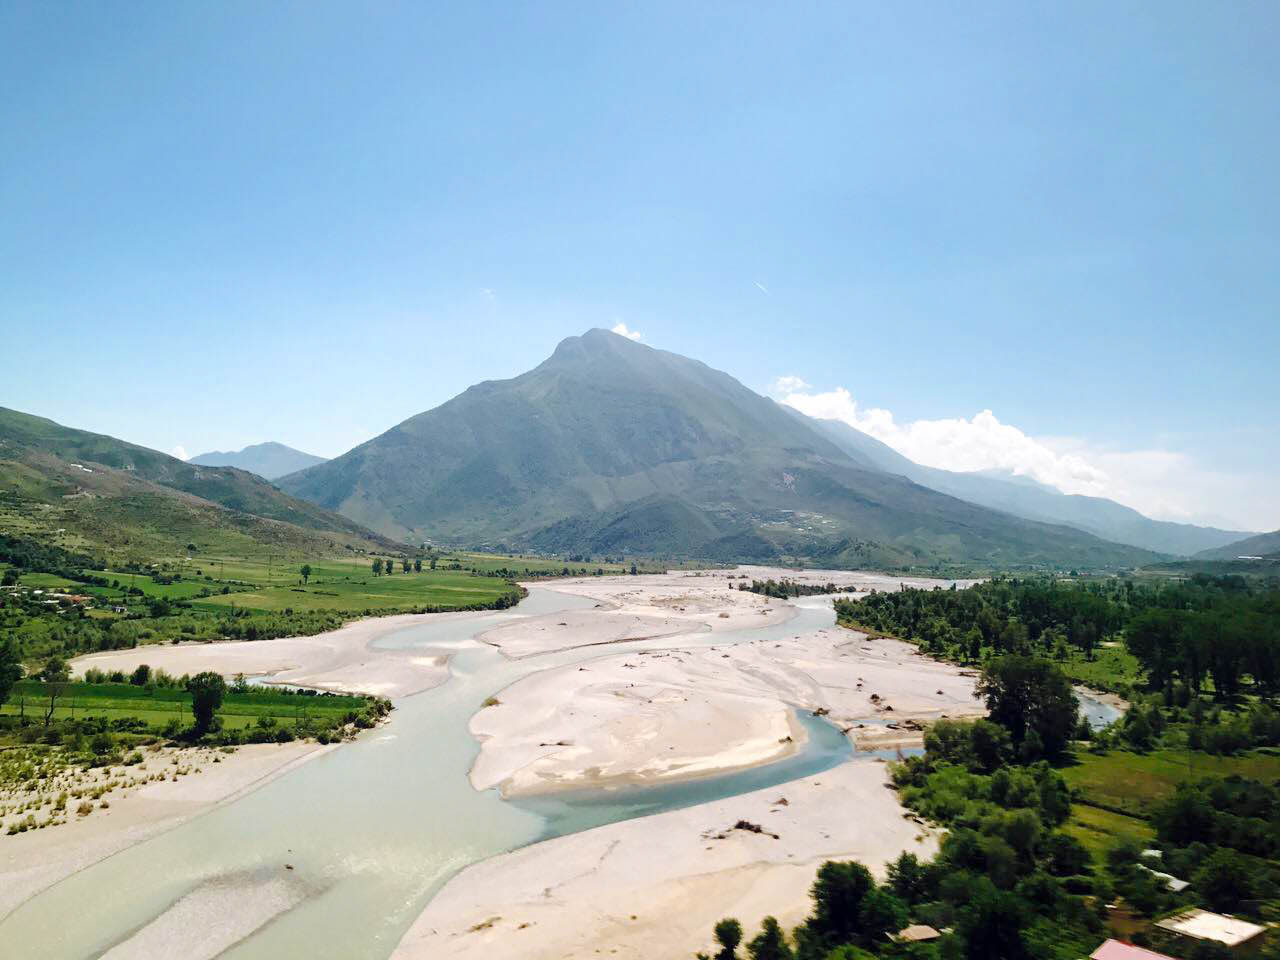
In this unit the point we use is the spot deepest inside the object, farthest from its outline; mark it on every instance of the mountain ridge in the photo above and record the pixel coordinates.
(1027, 498)
(116, 494)
(269, 460)
(1260, 545)
(611, 441)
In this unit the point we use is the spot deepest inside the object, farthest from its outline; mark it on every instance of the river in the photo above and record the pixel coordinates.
(375, 827)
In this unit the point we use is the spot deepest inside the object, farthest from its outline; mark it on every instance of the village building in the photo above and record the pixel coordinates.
(1239, 936)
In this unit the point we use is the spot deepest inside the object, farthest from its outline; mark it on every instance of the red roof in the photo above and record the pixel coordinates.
(1118, 950)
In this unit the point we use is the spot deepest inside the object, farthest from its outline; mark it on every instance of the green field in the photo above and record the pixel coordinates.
(401, 591)
(1099, 830)
(341, 585)
(1113, 668)
(1132, 783)
(157, 706)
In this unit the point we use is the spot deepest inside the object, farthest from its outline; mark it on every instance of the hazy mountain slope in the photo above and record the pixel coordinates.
(1024, 497)
(610, 444)
(122, 496)
(1261, 545)
(269, 460)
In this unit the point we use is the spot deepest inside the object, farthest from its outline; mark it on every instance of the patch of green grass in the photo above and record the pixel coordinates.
(1099, 830)
(49, 581)
(156, 706)
(1113, 668)
(1133, 783)
(399, 591)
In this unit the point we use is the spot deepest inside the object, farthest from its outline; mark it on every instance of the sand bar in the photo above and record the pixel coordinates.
(339, 661)
(654, 886)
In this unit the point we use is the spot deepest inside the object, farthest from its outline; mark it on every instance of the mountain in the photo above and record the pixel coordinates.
(125, 498)
(1262, 545)
(1024, 497)
(610, 445)
(269, 460)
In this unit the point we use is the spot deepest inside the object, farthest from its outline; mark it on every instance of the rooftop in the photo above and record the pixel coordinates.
(917, 933)
(1203, 925)
(1118, 950)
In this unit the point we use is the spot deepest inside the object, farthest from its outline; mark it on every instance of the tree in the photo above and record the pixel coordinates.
(141, 675)
(1137, 730)
(10, 669)
(770, 943)
(908, 878)
(417, 565)
(377, 567)
(55, 675)
(207, 690)
(990, 745)
(1225, 880)
(881, 912)
(837, 897)
(634, 570)
(1067, 855)
(728, 934)
(1027, 694)
(990, 923)
(1185, 817)
(389, 567)
(306, 572)
(433, 563)
(406, 565)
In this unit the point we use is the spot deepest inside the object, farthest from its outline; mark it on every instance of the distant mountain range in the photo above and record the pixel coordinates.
(118, 497)
(270, 460)
(610, 445)
(1025, 497)
(1263, 545)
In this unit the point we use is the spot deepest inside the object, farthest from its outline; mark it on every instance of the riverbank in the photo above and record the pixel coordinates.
(340, 661)
(655, 886)
(33, 861)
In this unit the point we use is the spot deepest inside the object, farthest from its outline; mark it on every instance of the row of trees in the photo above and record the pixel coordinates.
(207, 689)
(1224, 644)
(388, 566)
(784, 589)
(1220, 630)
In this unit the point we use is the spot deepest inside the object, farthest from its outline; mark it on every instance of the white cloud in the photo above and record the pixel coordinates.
(763, 288)
(180, 452)
(486, 293)
(621, 330)
(1164, 484)
(789, 384)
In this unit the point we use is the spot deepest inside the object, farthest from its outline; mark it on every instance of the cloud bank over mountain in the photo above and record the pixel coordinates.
(1165, 484)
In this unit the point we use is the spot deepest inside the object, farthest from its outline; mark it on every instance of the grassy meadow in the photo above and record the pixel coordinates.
(1130, 783)
(158, 706)
(1114, 793)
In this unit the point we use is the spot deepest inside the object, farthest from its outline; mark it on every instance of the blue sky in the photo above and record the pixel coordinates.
(222, 224)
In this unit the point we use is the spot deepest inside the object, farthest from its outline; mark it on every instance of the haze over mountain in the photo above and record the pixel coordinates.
(122, 497)
(1024, 497)
(610, 445)
(270, 460)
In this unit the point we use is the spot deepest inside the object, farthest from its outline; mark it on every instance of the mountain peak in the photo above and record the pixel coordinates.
(270, 459)
(614, 446)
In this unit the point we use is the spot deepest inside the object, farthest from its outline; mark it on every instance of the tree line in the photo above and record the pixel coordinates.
(1222, 631)
(784, 589)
